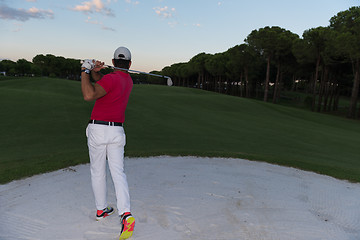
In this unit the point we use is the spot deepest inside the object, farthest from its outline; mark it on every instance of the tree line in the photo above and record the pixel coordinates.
(43, 65)
(324, 62)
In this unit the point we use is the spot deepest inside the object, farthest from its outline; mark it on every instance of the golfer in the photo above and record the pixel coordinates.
(106, 136)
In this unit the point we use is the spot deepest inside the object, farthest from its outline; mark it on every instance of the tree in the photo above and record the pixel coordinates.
(175, 73)
(23, 67)
(242, 60)
(57, 66)
(265, 42)
(43, 63)
(8, 66)
(215, 65)
(347, 24)
(155, 80)
(283, 56)
(316, 39)
(35, 70)
(305, 59)
(197, 65)
(234, 67)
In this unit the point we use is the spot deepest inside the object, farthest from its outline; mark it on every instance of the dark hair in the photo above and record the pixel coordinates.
(121, 63)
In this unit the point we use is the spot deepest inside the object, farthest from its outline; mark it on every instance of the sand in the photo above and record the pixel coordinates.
(186, 198)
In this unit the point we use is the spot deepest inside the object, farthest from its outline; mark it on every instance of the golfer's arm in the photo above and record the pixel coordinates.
(90, 92)
(97, 76)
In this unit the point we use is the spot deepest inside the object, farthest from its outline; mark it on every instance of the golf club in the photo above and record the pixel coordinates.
(169, 81)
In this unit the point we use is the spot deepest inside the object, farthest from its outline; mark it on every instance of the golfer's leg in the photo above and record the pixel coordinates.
(115, 154)
(97, 154)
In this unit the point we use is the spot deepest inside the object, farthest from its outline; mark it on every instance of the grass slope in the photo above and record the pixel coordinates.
(43, 128)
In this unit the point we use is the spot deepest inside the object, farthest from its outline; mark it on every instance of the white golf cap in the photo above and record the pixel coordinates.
(122, 53)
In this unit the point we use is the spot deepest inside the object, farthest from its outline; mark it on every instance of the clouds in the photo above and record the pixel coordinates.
(93, 6)
(96, 12)
(164, 12)
(101, 24)
(23, 15)
(132, 2)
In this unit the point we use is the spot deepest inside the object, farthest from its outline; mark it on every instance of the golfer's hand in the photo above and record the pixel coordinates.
(88, 64)
(98, 66)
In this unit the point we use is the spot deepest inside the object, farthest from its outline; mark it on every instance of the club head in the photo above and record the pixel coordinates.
(169, 82)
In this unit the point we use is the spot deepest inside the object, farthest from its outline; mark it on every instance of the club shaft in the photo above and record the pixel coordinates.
(135, 71)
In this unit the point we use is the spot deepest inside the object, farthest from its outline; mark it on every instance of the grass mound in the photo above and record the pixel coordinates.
(43, 128)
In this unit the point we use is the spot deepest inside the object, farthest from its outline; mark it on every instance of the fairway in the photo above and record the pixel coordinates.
(43, 128)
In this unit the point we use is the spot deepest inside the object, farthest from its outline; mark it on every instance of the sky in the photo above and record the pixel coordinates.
(158, 33)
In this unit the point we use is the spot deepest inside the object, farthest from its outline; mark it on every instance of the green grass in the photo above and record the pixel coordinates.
(43, 128)
(298, 100)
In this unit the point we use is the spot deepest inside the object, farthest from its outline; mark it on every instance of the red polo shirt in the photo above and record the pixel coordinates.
(111, 107)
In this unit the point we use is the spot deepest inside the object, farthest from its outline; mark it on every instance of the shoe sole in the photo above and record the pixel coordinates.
(127, 233)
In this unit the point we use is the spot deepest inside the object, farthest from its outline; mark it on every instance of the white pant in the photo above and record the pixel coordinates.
(107, 142)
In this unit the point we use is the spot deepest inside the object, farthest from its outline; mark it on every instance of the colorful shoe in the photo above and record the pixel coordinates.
(127, 226)
(100, 214)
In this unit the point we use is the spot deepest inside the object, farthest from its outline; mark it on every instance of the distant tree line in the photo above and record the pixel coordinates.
(325, 63)
(43, 65)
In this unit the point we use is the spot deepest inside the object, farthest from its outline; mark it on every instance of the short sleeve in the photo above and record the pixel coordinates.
(106, 82)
